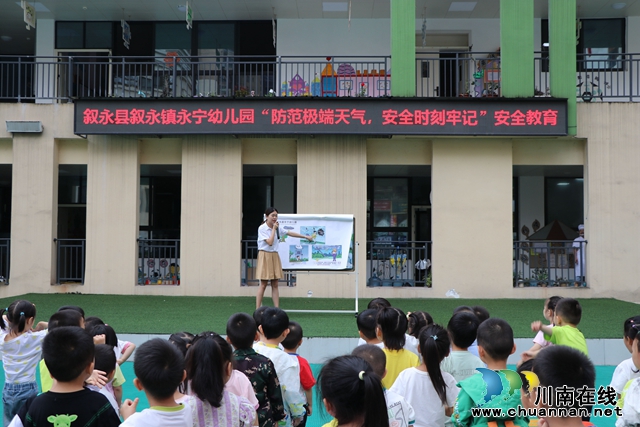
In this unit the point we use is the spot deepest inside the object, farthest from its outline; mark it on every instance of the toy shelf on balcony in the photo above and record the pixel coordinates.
(348, 81)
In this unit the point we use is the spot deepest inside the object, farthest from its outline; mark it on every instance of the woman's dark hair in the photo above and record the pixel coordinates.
(552, 302)
(393, 325)
(17, 314)
(418, 320)
(268, 212)
(206, 363)
(109, 334)
(354, 391)
(434, 347)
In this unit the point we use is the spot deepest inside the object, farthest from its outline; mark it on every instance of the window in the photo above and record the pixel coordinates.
(84, 35)
(601, 43)
(390, 209)
(564, 201)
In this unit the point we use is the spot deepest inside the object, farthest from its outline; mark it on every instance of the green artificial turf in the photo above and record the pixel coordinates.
(601, 318)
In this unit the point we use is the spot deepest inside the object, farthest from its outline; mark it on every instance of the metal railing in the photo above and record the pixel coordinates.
(610, 77)
(158, 262)
(67, 77)
(399, 263)
(549, 263)
(250, 262)
(70, 256)
(5, 257)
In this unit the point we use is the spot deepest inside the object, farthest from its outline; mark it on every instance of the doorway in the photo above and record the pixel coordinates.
(421, 223)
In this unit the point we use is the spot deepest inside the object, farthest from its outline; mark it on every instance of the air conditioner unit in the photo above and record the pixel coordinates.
(24, 126)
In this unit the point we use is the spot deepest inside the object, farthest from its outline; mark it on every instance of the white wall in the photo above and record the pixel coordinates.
(332, 37)
(633, 34)
(484, 34)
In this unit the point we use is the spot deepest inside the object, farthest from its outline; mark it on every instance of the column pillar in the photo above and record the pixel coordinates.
(45, 73)
(34, 201)
(113, 205)
(562, 55)
(211, 223)
(403, 47)
(332, 179)
(516, 48)
(472, 217)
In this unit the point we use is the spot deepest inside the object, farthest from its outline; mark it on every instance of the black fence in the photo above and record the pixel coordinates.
(550, 263)
(159, 262)
(399, 264)
(70, 264)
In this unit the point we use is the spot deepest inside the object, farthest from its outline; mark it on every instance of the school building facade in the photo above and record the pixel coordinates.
(468, 139)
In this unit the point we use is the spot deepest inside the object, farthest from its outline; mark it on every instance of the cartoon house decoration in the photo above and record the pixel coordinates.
(297, 85)
(329, 81)
(315, 86)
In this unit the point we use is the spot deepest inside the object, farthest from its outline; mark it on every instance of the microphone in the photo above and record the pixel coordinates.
(278, 233)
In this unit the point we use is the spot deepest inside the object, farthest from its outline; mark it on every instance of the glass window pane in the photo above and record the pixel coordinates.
(173, 37)
(390, 202)
(69, 35)
(99, 35)
(216, 38)
(564, 201)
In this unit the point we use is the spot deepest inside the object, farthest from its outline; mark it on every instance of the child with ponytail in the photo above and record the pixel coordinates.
(21, 351)
(208, 366)
(431, 392)
(352, 393)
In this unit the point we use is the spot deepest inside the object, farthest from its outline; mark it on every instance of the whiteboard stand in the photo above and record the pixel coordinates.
(354, 272)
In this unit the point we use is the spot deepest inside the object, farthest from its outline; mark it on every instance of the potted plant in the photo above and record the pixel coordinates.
(539, 277)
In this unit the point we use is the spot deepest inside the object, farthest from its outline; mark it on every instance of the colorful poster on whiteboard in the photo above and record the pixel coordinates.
(329, 247)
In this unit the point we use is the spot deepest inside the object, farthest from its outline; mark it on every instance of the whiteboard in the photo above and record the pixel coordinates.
(330, 249)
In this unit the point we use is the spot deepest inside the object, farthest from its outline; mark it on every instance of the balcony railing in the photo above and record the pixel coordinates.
(158, 262)
(611, 77)
(5, 256)
(399, 264)
(70, 255)
(549, 263)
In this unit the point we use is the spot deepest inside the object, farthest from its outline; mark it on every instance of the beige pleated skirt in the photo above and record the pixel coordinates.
(269, 266)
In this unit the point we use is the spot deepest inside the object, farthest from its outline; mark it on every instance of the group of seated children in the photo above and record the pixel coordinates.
(405, 371)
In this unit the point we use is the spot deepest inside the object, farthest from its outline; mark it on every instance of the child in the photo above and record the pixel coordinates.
(241, 332)
(352, 393)
(539, 342)
(110, 338)
(105, 361)
(378, 303)
(481, 313)
(367, 324)
(159, 369)
(416, 321)
(560, 367)
(400, 412)
(68, 352)
(273, 330)
(291, 343)
(257, 317)
(495, 344)
(428, 390)
(237, 383)
(626, 370)
(392, 325)
(565, 332)
(21, 349)
(473, 348)
(182, 341)
(460, 362)
(207, 371)
(631, 405)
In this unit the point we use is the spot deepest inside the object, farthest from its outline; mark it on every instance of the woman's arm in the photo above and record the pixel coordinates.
(300, 236)
(271, 238)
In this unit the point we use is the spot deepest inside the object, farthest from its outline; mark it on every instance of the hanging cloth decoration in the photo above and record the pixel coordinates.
(424, 28)
(273, 25)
